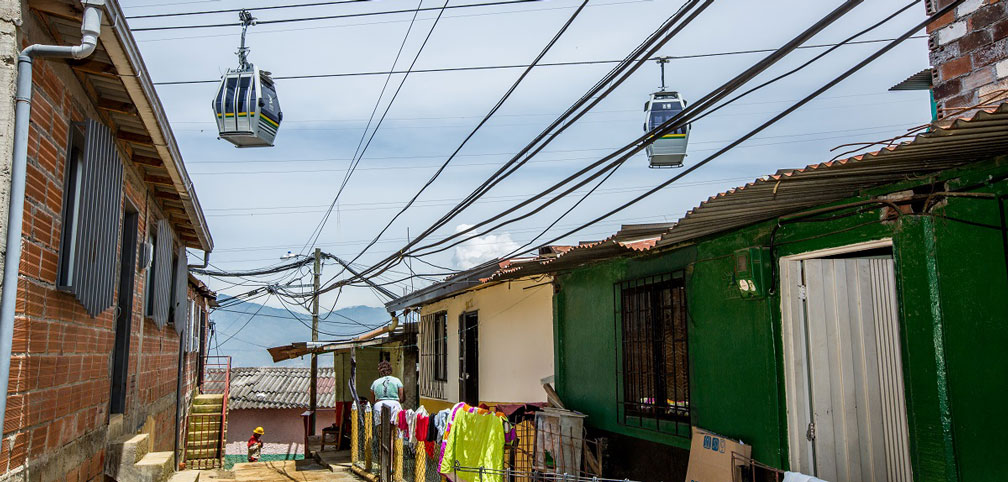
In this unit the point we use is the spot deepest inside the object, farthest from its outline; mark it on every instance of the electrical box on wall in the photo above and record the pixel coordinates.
(752, 272)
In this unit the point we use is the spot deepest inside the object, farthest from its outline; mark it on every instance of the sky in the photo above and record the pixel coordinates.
(262, 203)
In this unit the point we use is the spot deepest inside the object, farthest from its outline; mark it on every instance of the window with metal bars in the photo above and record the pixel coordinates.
(433, 354)
(652, 318)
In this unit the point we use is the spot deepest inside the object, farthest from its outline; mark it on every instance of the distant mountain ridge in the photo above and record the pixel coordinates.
(245, 337)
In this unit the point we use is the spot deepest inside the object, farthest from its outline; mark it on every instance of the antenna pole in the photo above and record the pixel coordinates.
(246, 19)
(661, 63)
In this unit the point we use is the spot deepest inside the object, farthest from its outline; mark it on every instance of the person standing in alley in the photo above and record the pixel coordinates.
(386, 391)
(255, 444)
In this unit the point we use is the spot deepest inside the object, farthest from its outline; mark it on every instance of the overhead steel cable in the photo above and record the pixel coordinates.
(486, 118)
(325, 219)
(675, 124)
(621, 155)
(353, 159)
(236, 10)
(332, 17)
(672, 26)
(522, 66)
(937, 15)
(672, 124)
(256, 272)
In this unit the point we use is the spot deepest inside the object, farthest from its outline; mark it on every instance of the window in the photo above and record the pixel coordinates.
(71, 208)
(90, 217)
(434, 354)
(151, 278)
(655, 357)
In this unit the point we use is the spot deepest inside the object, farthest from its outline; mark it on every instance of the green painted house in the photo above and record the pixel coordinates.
(848, 319)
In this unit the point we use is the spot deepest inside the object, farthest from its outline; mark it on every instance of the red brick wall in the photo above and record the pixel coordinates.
(969, 48)
(58, 404)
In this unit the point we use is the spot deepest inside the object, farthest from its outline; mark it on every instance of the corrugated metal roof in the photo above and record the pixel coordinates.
(279, 387)
(792, 190)
(956, 143)
(922, 80)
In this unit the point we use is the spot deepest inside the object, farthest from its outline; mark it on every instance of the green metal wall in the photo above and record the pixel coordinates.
(953, 284)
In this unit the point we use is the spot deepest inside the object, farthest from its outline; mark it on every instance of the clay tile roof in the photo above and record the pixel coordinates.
(279, 387)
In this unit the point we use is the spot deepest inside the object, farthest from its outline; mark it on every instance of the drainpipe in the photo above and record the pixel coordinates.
(90, 28)
(206, 262)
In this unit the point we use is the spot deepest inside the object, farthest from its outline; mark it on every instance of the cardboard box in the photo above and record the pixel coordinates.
(710, 457)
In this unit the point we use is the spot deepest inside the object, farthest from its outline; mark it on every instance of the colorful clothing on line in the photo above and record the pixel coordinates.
(473, 439)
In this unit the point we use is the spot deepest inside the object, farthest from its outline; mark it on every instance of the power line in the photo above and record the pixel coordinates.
(754, 89)
(692, 113)
(314, 237)
(671, 27)
(355, 160)
(787, 111)
(676, 122)
(480, 124)
(333, 17)
(522, 66)
(236, 10)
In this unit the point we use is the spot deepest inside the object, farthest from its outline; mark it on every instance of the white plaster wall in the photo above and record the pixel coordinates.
(515, 339)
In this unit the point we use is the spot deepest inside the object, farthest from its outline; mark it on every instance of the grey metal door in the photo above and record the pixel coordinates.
(846, 407)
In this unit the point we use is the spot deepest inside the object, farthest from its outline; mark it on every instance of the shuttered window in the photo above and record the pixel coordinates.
(160, 275)
(92, 204)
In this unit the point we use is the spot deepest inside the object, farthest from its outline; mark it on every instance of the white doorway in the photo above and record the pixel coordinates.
(843, 366)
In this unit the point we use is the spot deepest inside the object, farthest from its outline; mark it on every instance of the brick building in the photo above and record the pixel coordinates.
(108, 325)
(969, 53)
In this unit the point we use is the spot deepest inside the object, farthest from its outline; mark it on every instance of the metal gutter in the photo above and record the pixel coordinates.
(125, 55)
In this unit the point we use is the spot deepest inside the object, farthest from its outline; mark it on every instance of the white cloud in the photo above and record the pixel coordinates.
(481, 249)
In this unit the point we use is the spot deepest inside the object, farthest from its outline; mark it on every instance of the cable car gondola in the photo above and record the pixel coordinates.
(669, 150)
(246, 106)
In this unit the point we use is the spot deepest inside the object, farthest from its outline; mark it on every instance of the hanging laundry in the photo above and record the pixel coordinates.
(393, 405)
(473, 440)
(422, 427)
(431, 448)
(441, 422)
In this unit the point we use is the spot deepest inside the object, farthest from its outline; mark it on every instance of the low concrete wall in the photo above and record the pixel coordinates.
(284, 430)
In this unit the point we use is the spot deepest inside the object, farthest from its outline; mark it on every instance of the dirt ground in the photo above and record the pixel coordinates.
(283, 470)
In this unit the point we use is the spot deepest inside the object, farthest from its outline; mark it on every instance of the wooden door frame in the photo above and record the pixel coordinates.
(798, 446)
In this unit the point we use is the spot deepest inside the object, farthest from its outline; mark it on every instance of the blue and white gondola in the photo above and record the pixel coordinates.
(669, 150)
(247, 108)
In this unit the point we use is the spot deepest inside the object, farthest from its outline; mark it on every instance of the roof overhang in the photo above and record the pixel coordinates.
(127, 101)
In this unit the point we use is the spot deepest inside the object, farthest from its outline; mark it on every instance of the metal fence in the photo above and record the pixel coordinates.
(539, 453)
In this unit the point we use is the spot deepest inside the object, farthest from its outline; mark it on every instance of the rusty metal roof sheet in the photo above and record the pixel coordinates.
(963, 141)
(279, 387)
(956, 143)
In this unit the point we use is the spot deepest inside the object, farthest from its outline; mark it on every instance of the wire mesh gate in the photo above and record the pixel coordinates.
(380, 454)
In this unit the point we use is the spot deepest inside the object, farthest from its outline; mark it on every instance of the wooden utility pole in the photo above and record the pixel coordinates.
(313, 396)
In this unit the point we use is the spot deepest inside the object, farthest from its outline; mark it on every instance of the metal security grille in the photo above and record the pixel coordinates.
(97, 223)
(655, 357)
(162, 273)
(181, 301)
(433, 355)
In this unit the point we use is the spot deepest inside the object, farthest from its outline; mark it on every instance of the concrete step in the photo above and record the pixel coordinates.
(201, 453)
(204, 423)
(203, 436)
(207, 408)
(185, 476)
(132, 448)
(208, 399)
(202, 443)
(155, 467)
